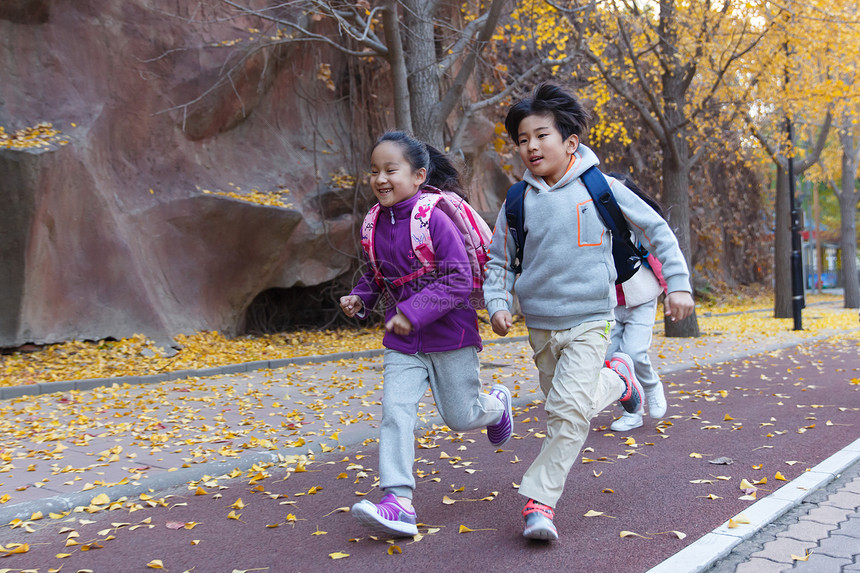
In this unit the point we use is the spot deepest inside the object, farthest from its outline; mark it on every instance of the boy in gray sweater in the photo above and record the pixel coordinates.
(566, 288)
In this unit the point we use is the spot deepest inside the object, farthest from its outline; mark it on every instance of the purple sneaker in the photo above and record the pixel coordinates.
(500, 432)
(633, 397)
(387, 517)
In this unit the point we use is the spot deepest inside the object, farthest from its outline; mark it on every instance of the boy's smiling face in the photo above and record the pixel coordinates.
(542, 148)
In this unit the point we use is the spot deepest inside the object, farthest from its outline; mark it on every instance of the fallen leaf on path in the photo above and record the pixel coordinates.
(632, 534)
(338, 555)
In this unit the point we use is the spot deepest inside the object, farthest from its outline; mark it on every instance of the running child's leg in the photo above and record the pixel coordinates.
(577, 385)
(405, 381)
(637, 343)
(456, 382)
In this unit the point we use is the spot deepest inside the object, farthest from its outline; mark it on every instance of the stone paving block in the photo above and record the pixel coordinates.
(841, 460)
(801, 486)
(810, 531)
(760, 513)
(58, 386)
(148, 378)
(844, 500)
(760, 565)
(851, 528)
(839, 546)
(9, 392)
(852, 486)
(820, 564)
(783, 548)
(698, 555)
(826, 514)
(90, 383)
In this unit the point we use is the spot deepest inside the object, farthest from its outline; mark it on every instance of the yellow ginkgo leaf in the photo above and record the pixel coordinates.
(631, 534)
(746, 485)
(392, 549)
(100, 499)
(155, 564)
(464, 529)
(448, 501)
(592, 513)
(803, 558)
(779, 476)
(338, 555)
(238, 504)
(234, 515)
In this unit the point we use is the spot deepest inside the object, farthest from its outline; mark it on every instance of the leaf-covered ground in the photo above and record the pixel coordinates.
(80, 360)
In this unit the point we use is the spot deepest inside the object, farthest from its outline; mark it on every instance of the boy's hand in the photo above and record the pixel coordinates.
(399, 324)
(351, 304)
(502, 322)
(678, 305)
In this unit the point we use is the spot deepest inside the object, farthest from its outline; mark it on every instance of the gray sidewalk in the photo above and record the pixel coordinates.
(823, 530)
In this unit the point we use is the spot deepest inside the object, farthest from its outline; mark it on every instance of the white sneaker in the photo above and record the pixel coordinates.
(628, 421)
(656, 400)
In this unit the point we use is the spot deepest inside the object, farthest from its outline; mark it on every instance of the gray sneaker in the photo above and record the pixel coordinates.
(539, 523)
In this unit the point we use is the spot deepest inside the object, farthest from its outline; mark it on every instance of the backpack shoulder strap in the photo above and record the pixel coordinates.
(515, 216)
(368, 232)
(419, 229)
(605, 203)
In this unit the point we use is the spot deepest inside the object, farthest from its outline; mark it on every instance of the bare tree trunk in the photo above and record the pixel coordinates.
(399, 76)
(676, 192)
(423, 65)
(782, 307)
(848, 197)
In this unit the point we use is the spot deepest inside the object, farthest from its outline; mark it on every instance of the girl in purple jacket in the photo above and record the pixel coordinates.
(431, 336)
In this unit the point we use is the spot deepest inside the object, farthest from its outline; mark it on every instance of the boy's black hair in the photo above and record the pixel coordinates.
(441, 173)
(630, 184)
(549, 99)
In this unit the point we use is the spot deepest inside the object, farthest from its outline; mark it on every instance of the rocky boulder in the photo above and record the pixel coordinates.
(108, 230)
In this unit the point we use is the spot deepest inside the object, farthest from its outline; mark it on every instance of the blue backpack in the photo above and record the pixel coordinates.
(627, 256)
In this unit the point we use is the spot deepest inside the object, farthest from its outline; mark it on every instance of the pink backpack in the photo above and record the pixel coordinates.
(475, 231)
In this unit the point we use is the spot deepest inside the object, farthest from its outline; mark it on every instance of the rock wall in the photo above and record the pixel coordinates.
(111, 233)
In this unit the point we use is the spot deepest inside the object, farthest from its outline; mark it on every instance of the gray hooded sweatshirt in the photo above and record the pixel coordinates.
(568, 275)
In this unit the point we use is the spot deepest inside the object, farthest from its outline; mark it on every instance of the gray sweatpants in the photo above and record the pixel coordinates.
(454, 378)
(632, 335)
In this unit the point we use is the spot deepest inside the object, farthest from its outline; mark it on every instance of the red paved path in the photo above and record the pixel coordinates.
(805, 393)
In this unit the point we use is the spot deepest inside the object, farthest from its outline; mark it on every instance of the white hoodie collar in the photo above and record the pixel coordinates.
(584, 158)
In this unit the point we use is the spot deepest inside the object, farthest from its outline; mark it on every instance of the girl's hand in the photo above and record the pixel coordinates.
(399, 324)
(351, 304)
(678, 305)
(502, 322)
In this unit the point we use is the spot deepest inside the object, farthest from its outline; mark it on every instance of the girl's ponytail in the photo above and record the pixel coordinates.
(441, 173)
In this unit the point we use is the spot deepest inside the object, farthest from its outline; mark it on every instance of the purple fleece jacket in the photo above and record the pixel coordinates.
(436, 303)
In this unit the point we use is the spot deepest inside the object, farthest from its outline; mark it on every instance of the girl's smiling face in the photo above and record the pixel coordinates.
(392, 177)
(542, 148)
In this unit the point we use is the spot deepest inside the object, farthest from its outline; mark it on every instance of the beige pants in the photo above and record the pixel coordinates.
(577, 385)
